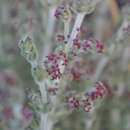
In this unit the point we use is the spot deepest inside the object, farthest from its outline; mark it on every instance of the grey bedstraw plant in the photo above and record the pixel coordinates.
(49, 72)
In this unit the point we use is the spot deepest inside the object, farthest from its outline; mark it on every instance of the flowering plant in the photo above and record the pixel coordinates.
(53, 71)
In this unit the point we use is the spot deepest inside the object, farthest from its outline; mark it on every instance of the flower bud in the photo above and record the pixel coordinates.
(28, 49)
(87, 6)
(64, 13)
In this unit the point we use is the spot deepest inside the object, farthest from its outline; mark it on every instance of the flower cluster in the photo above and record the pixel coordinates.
(76, 75)
(87, 104)
(75, 102)
(90, 45)
(100, 91)
(52, 62)
(28, 49)
(79, 71)
(77, 42)
(60, 37)
(63, 13)
(52, 91)
(80, 104)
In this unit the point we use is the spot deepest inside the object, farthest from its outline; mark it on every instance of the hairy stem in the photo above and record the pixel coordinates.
(44, 123)
(66, 29)
(78, 22)
(44, 116)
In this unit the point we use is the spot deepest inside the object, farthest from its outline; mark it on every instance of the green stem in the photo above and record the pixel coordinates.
(78, 22)
(66, 29)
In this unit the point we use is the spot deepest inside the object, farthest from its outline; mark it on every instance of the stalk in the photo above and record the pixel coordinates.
(78, 22)
(44, 121)
(66, 29)
(44, 116)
